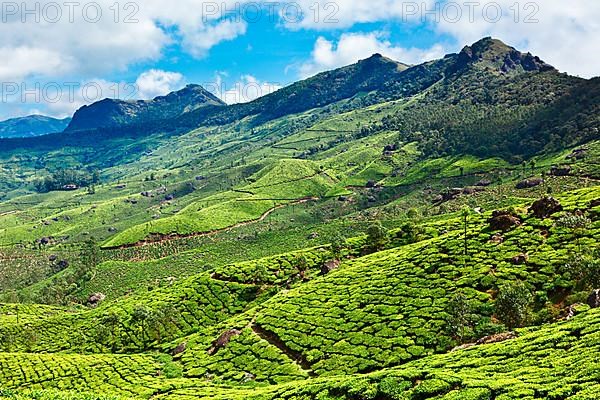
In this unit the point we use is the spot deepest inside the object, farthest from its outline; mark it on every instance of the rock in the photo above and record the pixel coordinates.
(497, 239)
(469, 190)
(343, 198)
(520, 259)
(545, 207)
(95, 299)
(500, 337)
(44, 241)
(170, 197)
(560, 171)
(594, 299)
(503, 221)
(248, 377)
(223, 340)
(200, 178)
(390, 148)
(371, 184)
(120, 187)
(330, 266)
(372, 199)
(529, 183)
(146, 194)
(595, 203)
(53, 257)
(578, 154)
(313, 236)
(112, 229)
(179, 349)
(483, 183)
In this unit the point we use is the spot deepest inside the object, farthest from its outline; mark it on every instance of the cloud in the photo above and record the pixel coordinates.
(246, 89)
(153, 83)
(63, 99)
(352, 47)
(564, 34)
(107, 37)
(200, 41)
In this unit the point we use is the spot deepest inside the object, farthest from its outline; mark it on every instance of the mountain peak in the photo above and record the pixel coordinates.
(114, 112)
(494, 54)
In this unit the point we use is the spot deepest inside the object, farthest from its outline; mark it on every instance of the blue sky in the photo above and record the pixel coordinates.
(55, 59)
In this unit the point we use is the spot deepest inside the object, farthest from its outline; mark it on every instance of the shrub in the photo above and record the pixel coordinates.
(512, 304)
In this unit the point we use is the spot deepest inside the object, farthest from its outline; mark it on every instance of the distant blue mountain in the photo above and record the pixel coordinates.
(33, 125)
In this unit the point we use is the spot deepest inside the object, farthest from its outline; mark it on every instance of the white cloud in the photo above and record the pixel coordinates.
(200, 41)
(74, 42)
(564, 34)
(352, 47)
(246, 89)
(153, 83)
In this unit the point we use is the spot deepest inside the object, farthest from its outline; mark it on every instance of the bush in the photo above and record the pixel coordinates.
(512, 304)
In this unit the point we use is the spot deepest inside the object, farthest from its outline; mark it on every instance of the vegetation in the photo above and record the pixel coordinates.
(374, 232)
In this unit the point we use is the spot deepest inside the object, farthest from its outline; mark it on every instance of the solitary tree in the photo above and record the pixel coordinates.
(512, 304)
(377, 236)
(461, 316)
(338, 243)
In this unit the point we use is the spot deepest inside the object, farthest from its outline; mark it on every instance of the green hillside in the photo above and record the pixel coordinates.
(380, 231)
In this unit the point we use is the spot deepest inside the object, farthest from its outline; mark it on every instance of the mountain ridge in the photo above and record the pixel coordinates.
(31, 126)
(114, 112)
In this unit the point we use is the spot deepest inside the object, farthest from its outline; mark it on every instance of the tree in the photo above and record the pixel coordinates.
(112, 321)
(578, 224)
(140, 317)
(338, 243)
(512, 304)
(461, 317)
(377, 236)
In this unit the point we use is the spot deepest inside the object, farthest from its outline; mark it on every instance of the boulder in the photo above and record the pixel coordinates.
(343, 198)
(483, 183)
(330, 266)
(497, 239)
(578, 154)
(529, 183)
(179, 349)
(520, 259)
(313, 235)
(223, 340)
(503, 221)
(594, 299)
(95, 299)
(545, 207)
(371, 184)
(500, 337)
(560, 171)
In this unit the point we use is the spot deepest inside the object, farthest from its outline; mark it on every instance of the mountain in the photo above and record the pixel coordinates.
(33, 125)
(113, 112)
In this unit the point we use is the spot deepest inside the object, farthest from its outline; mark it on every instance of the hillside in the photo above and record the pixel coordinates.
(33, 125)
(380, 231)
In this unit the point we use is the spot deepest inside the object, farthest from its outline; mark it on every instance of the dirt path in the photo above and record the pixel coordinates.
(274, 340)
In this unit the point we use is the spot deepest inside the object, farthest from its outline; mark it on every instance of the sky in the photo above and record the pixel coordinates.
(58, 56)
